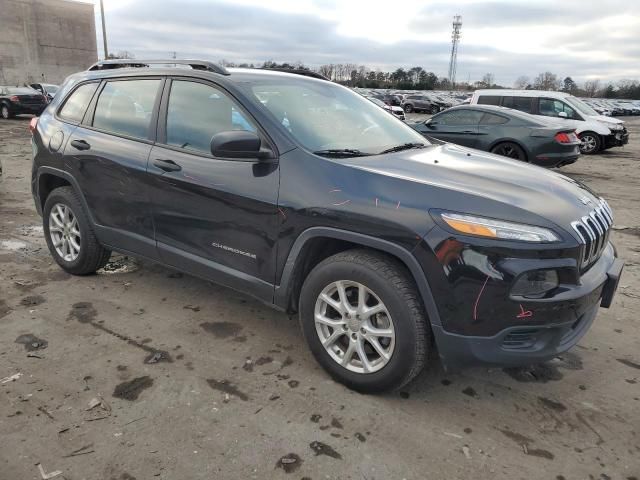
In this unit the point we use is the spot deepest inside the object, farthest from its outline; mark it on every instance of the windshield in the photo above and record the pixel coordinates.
(580, 105)
(325, 116)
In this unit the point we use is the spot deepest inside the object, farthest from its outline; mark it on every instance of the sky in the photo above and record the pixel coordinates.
(584, 39)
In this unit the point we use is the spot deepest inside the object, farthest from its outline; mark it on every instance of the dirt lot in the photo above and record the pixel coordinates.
(140, 372)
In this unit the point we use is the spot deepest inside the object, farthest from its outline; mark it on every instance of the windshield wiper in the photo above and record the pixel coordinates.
(341, 152)
(404, 146)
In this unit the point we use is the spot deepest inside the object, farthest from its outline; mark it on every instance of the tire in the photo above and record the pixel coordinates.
(408, 108)
(5, 113)
(390, 288)
(90, 256)
(590, 143)
(434, 109)
(511, 150)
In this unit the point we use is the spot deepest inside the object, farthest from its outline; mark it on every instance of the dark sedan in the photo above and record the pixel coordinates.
(20, 100)
(506, 132)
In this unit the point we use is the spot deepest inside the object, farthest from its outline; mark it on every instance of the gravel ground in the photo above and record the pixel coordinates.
(140, 372)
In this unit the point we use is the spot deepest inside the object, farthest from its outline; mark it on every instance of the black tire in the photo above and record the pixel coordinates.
(5, 111)
(511, 150)
(590, 143)
(408, 108)
(390, 281)
(92, 256)
(435, 109)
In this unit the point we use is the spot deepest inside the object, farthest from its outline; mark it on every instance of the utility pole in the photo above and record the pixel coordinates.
(455, 39)
(104, 32)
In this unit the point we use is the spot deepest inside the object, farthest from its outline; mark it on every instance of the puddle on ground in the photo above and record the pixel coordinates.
(222, 329)
(289, 463)
(225, 386)
(320, 448)
(31, 342)
(131, 390)
(32, 301)
(119, 265)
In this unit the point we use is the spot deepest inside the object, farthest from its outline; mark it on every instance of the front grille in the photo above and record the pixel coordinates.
(593, 231)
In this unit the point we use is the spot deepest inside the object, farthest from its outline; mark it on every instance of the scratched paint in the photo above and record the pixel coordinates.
(475, 305)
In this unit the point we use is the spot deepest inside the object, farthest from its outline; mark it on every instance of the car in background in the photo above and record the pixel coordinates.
(20, 100)
(396, 111)
(47, 89)
(596, 132)
(389, 99)
(419, 103)
(505, 132)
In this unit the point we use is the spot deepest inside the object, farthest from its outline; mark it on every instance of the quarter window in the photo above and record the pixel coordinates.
(491, 119)
(460, 117)
(124, 107)
(75, 106)
(196, 112)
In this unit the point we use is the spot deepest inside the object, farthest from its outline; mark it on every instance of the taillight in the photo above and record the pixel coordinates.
(563, 137)
(33, 124)
(14, 98)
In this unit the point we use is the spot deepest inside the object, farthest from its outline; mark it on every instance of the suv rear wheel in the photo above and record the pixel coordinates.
(408, 108)
(363, 320)
(69, 235)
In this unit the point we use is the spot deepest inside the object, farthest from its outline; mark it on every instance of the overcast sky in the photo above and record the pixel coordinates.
(578, 38)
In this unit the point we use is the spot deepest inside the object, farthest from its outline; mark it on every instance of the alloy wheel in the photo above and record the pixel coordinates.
(4, 112)
(588, 143)
(354, 326)
(64, 232)
(508, 150)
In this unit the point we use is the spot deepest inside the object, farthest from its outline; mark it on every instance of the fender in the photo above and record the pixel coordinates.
(593, 126)
(284, 289)
(69, 178)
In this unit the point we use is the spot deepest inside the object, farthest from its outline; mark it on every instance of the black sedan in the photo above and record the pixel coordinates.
(21, 100)
(506, 132)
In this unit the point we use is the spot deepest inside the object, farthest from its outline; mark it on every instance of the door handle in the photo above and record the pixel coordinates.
(467, 131)
(167, 165)
(80, 145)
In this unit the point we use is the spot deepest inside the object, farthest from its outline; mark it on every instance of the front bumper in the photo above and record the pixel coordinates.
(616, 139)
(530, 344)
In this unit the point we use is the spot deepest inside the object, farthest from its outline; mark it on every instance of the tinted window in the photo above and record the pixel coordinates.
(75, 106)
(488, 100)
(460, 117)
(491, 119)
(124, 107)
(518, 103)
(551, 108)
(196, 112)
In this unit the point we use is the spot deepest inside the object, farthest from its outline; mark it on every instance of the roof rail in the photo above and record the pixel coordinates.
(297, 71)
(134, 63)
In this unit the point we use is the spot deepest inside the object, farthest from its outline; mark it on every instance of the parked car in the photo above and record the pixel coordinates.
(47, 89)
(389, 99)
(386, 246)
(506, 132)
(419, 103)
(596, 132)
(20, 100)
(397, 111)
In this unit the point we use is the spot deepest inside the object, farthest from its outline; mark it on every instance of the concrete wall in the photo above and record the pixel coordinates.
(45, 40)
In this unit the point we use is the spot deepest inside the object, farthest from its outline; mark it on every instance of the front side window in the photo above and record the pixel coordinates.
(196, 112)
(459, 117)
(324, 116)
(551, 108)
(75, 106)
(125, 106)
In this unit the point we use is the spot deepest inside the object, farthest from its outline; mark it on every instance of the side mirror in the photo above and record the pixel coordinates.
(239, 144)
(563, 115)
(429, 122)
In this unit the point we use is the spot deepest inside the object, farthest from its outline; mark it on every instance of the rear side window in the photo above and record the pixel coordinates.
(75, 106)
(124, 107)
(196, 112)
(488, 100)
(460, 117)
(518, 103)
(491, 119)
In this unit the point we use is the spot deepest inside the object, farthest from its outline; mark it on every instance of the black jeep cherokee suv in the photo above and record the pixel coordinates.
(307, 196)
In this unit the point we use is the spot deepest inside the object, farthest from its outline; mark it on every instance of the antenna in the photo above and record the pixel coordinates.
(455, 39)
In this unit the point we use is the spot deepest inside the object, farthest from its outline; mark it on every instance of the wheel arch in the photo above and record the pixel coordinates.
(49, 178)
(304, 255)
(511, 140)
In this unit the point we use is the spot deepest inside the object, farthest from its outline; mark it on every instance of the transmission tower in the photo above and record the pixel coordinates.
(455, 39)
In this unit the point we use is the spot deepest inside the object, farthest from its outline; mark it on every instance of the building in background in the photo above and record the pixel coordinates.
(43, 41)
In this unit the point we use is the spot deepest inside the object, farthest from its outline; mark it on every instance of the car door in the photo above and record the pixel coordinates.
(459, 126)
(107, 154)
(215, 217)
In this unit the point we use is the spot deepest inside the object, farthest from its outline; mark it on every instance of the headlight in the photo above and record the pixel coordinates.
(614, 126)
(490, 228)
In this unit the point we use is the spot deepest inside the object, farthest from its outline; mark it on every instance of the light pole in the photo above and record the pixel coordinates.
(104, 32)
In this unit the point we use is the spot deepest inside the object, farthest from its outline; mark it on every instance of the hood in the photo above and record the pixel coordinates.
(520, 191)
(605, 119)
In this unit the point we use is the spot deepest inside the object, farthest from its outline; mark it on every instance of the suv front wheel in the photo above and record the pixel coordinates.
(69, 235)
(364, 321)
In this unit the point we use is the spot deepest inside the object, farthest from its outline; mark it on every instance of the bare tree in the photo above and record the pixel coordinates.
(521, 82)
(488, 80)
(122, 54)
(591, 87)
(546, 81)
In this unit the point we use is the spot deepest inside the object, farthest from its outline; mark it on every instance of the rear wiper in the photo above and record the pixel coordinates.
(341, 152)
(404, 146)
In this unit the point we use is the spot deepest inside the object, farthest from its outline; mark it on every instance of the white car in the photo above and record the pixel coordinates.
(596, 132)
(396, 111)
